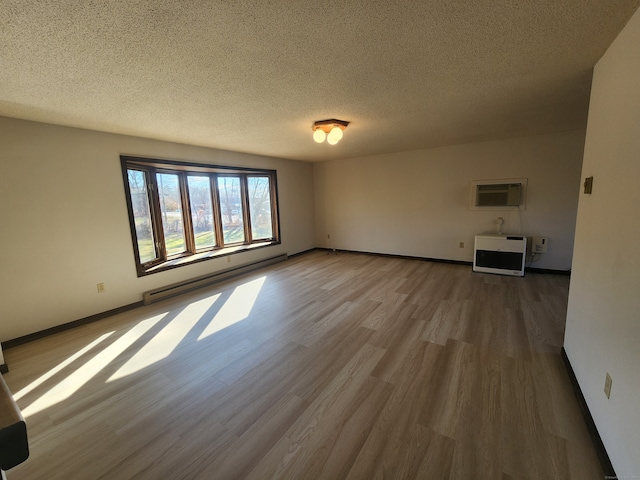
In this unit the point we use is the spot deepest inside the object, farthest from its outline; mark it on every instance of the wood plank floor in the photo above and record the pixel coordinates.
(322, 367)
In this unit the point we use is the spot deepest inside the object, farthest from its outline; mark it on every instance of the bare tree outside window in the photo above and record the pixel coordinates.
(231, 206)
(260, 207)
(142, 215)
(171, 209)
(201, 211)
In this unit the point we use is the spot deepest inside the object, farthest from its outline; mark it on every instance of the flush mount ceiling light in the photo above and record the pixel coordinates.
(329, 129)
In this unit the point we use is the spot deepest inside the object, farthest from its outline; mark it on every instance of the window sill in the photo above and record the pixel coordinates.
(204, 256)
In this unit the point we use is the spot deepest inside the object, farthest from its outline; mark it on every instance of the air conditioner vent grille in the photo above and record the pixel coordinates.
(498, 195)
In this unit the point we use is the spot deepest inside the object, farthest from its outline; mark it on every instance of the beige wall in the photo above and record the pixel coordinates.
(65, 226)
(417, 203)
(64, 206)
(603, 320)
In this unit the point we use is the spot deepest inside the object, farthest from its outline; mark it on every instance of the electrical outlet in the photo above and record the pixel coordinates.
(607, 385)
(100, 288)
(461, 244)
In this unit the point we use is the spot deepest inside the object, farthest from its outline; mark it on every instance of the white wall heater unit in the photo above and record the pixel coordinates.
(501, 254)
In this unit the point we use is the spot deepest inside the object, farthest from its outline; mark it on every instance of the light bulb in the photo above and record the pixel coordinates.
(319, 136)
(334, 135)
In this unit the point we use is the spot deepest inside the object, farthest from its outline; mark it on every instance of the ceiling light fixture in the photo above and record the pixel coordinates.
(331, 130)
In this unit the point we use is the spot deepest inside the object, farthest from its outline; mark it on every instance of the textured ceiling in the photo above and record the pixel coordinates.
(252, 76)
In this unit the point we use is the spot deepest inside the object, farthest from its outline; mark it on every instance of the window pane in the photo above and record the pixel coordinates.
(260, 207)
(201, 211)
(231, 209)
(142, 215)
(171, 209)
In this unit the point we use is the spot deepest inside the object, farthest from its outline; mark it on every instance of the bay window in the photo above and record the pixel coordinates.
(186, 212)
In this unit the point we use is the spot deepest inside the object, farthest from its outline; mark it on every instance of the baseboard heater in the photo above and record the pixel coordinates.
(502, 254)
(198, 282)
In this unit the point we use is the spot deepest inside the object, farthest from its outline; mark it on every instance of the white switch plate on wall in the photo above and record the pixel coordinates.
(539, 244)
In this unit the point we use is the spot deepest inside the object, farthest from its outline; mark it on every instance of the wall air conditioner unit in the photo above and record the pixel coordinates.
(498, 195)
(502, 254)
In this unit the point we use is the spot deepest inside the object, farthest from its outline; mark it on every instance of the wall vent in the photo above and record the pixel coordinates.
(498, 195)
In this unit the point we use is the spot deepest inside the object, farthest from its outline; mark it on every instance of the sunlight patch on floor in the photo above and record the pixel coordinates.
(236, 308)
(36, 383)
(165, 342)
(72, 383)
